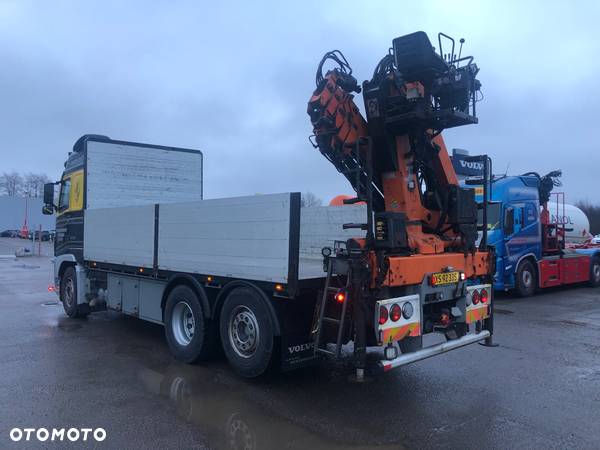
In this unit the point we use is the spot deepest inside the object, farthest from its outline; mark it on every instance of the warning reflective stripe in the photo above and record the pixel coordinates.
(475, 314)
(398, 333)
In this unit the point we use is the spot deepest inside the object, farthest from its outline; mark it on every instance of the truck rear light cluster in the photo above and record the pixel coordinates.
(479, 296)
(383, 315)
(407, 310)
(395, 312)
(484, 296)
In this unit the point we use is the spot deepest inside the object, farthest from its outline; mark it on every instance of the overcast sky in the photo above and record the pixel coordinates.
(233, 80)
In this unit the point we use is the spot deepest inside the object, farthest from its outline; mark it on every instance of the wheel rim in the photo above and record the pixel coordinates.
(243, 331)
(527, 278)
(597, 273)
(69, 292)
(183, 324)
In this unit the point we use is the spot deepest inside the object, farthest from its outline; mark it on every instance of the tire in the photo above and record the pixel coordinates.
(595, 272)
(68, 294)
(189, 334)
(247, 333)
(526, 279)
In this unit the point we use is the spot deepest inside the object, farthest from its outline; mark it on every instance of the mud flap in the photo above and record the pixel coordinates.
(297, 350)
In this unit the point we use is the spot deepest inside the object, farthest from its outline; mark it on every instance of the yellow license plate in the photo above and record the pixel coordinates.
(445, 278)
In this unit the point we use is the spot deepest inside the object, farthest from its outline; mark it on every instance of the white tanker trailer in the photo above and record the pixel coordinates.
(577, 225)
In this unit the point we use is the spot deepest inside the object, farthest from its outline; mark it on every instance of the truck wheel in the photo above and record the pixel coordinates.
(188, 332)
(526, 279)
(595, 272)
(247, 332)
(68, 294)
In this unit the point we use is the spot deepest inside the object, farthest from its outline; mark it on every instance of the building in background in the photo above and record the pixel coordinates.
(12, 214)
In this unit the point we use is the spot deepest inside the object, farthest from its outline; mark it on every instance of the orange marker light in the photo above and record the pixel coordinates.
(278, 287)
(141, 270)
(340, 297)
(209, 279)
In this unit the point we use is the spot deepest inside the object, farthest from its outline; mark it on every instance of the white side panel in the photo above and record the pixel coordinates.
(120, 235)
(319, 227)
(125, 175)
(244, 237)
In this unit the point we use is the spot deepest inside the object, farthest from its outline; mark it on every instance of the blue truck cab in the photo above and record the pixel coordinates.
(514, 227)
(520, 238)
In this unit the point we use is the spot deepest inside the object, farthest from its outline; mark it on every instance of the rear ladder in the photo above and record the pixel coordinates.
(323, 318)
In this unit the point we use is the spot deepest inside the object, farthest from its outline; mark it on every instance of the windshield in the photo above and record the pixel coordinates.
(493, 217)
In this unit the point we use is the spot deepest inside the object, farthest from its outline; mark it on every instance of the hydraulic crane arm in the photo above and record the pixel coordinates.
(413, 95)
(340, 131)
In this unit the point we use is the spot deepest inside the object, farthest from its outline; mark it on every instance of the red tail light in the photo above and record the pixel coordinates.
(484, 296)
(445, 319)
(395, 312)
(383, 315)
(340, 297)
(476, 297)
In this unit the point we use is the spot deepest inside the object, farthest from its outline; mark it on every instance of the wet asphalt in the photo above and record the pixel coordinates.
(539, 389)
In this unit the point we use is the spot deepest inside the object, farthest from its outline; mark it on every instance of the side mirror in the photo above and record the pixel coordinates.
(49, 193)
(48, 208)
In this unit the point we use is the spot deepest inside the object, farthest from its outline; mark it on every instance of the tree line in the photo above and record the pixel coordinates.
(29, 184)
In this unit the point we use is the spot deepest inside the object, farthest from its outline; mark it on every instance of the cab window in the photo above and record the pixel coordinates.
(530, 213)
(65, 190)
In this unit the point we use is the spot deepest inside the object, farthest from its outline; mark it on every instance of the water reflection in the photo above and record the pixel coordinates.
(235, 415)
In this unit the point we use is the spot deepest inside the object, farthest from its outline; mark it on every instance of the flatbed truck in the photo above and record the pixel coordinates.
(276, 285)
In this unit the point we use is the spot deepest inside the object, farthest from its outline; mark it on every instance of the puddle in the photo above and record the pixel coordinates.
(50, 303)
(233, 414)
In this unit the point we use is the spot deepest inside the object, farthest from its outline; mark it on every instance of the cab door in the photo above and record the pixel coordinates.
(512, 224)
(69, 218)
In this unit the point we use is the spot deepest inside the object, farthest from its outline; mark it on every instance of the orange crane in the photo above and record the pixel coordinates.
(418, 268)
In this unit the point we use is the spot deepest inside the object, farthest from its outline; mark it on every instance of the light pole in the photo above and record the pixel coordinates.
(24, 229)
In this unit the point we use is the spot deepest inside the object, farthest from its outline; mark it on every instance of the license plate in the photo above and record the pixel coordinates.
(445, 278)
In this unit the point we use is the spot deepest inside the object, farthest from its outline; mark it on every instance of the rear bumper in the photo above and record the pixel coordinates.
(428, 352)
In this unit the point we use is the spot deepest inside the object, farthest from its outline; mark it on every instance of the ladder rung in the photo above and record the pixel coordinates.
(330, 319)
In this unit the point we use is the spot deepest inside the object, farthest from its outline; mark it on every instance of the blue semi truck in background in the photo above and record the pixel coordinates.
(525, 228)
